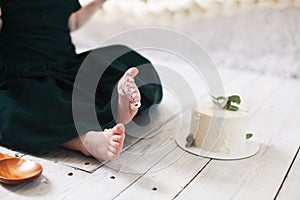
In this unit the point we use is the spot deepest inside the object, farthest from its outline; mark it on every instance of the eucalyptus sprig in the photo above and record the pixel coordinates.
(249, 135)
(233, 99)
(228, 103)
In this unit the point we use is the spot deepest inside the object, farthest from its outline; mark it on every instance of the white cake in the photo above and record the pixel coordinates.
(218, 130)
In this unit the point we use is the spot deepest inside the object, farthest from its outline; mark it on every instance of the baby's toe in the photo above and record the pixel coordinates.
(129, 79)
(135, 97)
(116, 145)
(133, 71)
(128, 86)
(111, 155)
(116, 138)
(119, 129)
(113, 149)
(114, 152)
(133, 92)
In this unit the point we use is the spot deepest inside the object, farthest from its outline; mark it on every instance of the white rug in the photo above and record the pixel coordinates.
(263, 40)
(266, 41)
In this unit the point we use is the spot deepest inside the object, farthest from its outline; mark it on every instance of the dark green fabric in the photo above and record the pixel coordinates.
(36, 31)
(38, 66)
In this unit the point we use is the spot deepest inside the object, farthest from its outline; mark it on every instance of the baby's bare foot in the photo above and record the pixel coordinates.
(129, 96)
(105, 145)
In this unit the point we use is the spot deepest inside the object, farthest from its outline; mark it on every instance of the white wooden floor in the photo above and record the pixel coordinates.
(156, 168)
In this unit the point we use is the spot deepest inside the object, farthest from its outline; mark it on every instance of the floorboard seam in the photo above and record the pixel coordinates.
(138, 178)
(192, 179)
(287, 173)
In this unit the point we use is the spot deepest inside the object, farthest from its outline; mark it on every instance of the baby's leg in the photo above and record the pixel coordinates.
(129, 96)
(106, 145)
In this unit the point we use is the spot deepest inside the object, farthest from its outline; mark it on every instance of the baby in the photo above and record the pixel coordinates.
(38, 67)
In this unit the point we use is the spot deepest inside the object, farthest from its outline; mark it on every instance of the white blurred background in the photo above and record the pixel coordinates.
(262, 36)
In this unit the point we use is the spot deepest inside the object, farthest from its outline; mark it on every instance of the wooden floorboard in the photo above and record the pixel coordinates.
(169, 104)
(131, 165)
(178, 174)
(56, 180)
(290, 187)
(156, 168)
(258, 177)
(11, 152)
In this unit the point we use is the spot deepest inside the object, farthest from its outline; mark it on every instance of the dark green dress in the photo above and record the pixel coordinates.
(38, 67)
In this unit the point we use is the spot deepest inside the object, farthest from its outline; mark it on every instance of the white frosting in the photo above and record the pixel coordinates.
(218, 130)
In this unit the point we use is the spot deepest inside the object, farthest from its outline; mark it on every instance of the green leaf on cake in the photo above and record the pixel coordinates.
(249, 135)
(235, 99)
(229, 103)
(233, 108)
